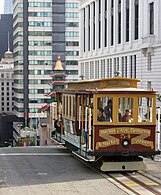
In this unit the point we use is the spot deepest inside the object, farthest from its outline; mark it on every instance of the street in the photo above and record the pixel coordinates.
(48, 170)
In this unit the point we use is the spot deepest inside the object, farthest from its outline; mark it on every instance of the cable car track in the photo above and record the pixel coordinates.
(130, 182)
(135, 183)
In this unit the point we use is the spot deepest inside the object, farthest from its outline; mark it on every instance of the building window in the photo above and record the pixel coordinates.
(131, 67)
(87, 70)
(38, 4)
(84, 30)
(122, 59)
(94, 25)
(114, 65)
(82, 71)
(70, 34)
(110, 69)
(149, 85)
(119, 21)
(136, 19)
(72, 43)
(126, 66)
(105, 21)
(72, 62)
(134, 69)
(89, 38)
(151, 7)
(102, 68)
(72, 72)
(91, 70)
(72, 5)
(71, 15)
(7, 75)
(70, 24)
(127, 20)
(112, 21)
(149, 59)
(41, 24)
(99, 25)
(97, 69)
(72, 53)
(117, 65)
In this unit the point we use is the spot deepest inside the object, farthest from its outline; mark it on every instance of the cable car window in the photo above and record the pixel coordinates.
(125, 110)
(145, 113)
(104, 109)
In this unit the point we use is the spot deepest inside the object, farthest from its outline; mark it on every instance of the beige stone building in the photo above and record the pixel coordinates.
(6, 82)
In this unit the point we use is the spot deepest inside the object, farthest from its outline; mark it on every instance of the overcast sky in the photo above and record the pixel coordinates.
(1, 6)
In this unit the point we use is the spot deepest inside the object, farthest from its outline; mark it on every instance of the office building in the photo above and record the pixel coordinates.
(121, 35)
(42, 31)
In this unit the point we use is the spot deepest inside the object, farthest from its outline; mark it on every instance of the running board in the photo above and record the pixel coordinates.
(56, 141)
(123, 166)
(82, 157)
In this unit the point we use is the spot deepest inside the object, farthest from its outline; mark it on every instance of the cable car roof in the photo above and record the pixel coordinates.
(116, 82)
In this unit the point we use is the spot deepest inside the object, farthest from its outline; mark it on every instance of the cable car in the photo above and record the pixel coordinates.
(110, 122)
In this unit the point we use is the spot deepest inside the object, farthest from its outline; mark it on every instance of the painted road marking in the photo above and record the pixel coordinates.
(131, 184)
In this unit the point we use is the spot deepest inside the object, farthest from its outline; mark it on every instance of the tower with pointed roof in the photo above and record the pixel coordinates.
(58, 78)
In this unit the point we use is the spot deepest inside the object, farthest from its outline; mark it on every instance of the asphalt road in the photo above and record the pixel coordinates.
(49, 171)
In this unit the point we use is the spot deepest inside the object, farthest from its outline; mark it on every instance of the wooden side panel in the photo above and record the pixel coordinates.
(140, 138)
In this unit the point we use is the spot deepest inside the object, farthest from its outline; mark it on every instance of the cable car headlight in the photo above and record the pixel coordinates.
(125, 143)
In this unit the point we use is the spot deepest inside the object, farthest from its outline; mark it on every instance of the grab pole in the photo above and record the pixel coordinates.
(158, 131)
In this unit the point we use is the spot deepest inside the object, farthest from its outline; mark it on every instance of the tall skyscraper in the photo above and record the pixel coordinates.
(42, 31)
(8, 7)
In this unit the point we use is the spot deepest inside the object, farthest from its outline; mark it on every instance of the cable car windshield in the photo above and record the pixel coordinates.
(124, 109)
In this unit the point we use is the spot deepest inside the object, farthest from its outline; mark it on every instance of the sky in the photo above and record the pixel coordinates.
(1, 6)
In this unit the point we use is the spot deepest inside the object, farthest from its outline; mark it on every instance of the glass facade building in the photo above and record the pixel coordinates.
(41, 33)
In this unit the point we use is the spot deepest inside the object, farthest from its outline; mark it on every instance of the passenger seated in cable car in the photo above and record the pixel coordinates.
(100, 115)
(127, 117)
